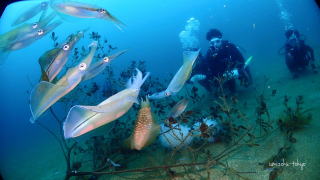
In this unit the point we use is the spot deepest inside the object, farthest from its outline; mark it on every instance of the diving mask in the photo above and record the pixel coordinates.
(216, 43)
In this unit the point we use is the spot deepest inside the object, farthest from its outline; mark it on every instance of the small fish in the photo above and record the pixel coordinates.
(31, 12)
(83, 10)
(99, 66)
(45, 94)
(178, 109)
(180, 77)
(83, 119)
(145, 129)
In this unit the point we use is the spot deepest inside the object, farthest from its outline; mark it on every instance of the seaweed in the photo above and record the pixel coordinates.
(194, 94)
(296, 118)
(262, 112)
(291, 120)
(95, 36)
(282, 154)
(54, 38)
(94, 88)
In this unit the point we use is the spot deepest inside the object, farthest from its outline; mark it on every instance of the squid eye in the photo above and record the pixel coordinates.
(166, 93)
(106, 59)
(34, 25)
(66, 47)
(40, 32)
(83, 66)
(102, 11)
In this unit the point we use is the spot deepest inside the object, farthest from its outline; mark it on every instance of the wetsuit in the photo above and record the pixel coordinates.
(216, 63)
(298, 57)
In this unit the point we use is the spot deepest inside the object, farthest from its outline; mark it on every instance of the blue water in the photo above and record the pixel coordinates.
(151, 34)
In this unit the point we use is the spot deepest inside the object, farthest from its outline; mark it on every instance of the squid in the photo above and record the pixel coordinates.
(15, 33)
(82, 10)
(21, 38)
(31, 12)
(99, 66)
(52, 61)
(24, 30)
(45, 94)
(83, 119)
(178, 109)
(32, 36)
(180, 78)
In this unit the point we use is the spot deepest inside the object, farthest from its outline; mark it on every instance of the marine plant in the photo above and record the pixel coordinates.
(291, 120)
(263, 116)
(282, 154)
(54, 38)
(294, 118)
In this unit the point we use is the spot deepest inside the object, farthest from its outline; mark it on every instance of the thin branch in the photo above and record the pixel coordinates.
(56, 138)
(59, 122)
(148, 169)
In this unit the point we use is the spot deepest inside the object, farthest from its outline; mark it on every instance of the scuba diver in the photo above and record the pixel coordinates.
(298, 55)
(222, 61)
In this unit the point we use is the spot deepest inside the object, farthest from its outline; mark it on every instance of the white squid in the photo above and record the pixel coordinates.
(82, 119)
(180, 78)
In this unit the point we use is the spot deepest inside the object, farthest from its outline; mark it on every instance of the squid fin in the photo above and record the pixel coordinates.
(77, 115)
(44, 76)
(48, 57)
(81, 114)
(190, 55)
(36, 96)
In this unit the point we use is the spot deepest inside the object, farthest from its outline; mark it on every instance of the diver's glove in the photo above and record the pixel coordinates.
(197, 77)
(231, 74)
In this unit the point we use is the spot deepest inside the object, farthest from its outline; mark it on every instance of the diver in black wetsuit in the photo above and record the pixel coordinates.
(222, 61)
(298, 55)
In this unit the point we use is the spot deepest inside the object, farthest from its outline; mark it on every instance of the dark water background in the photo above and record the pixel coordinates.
(151, 34)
